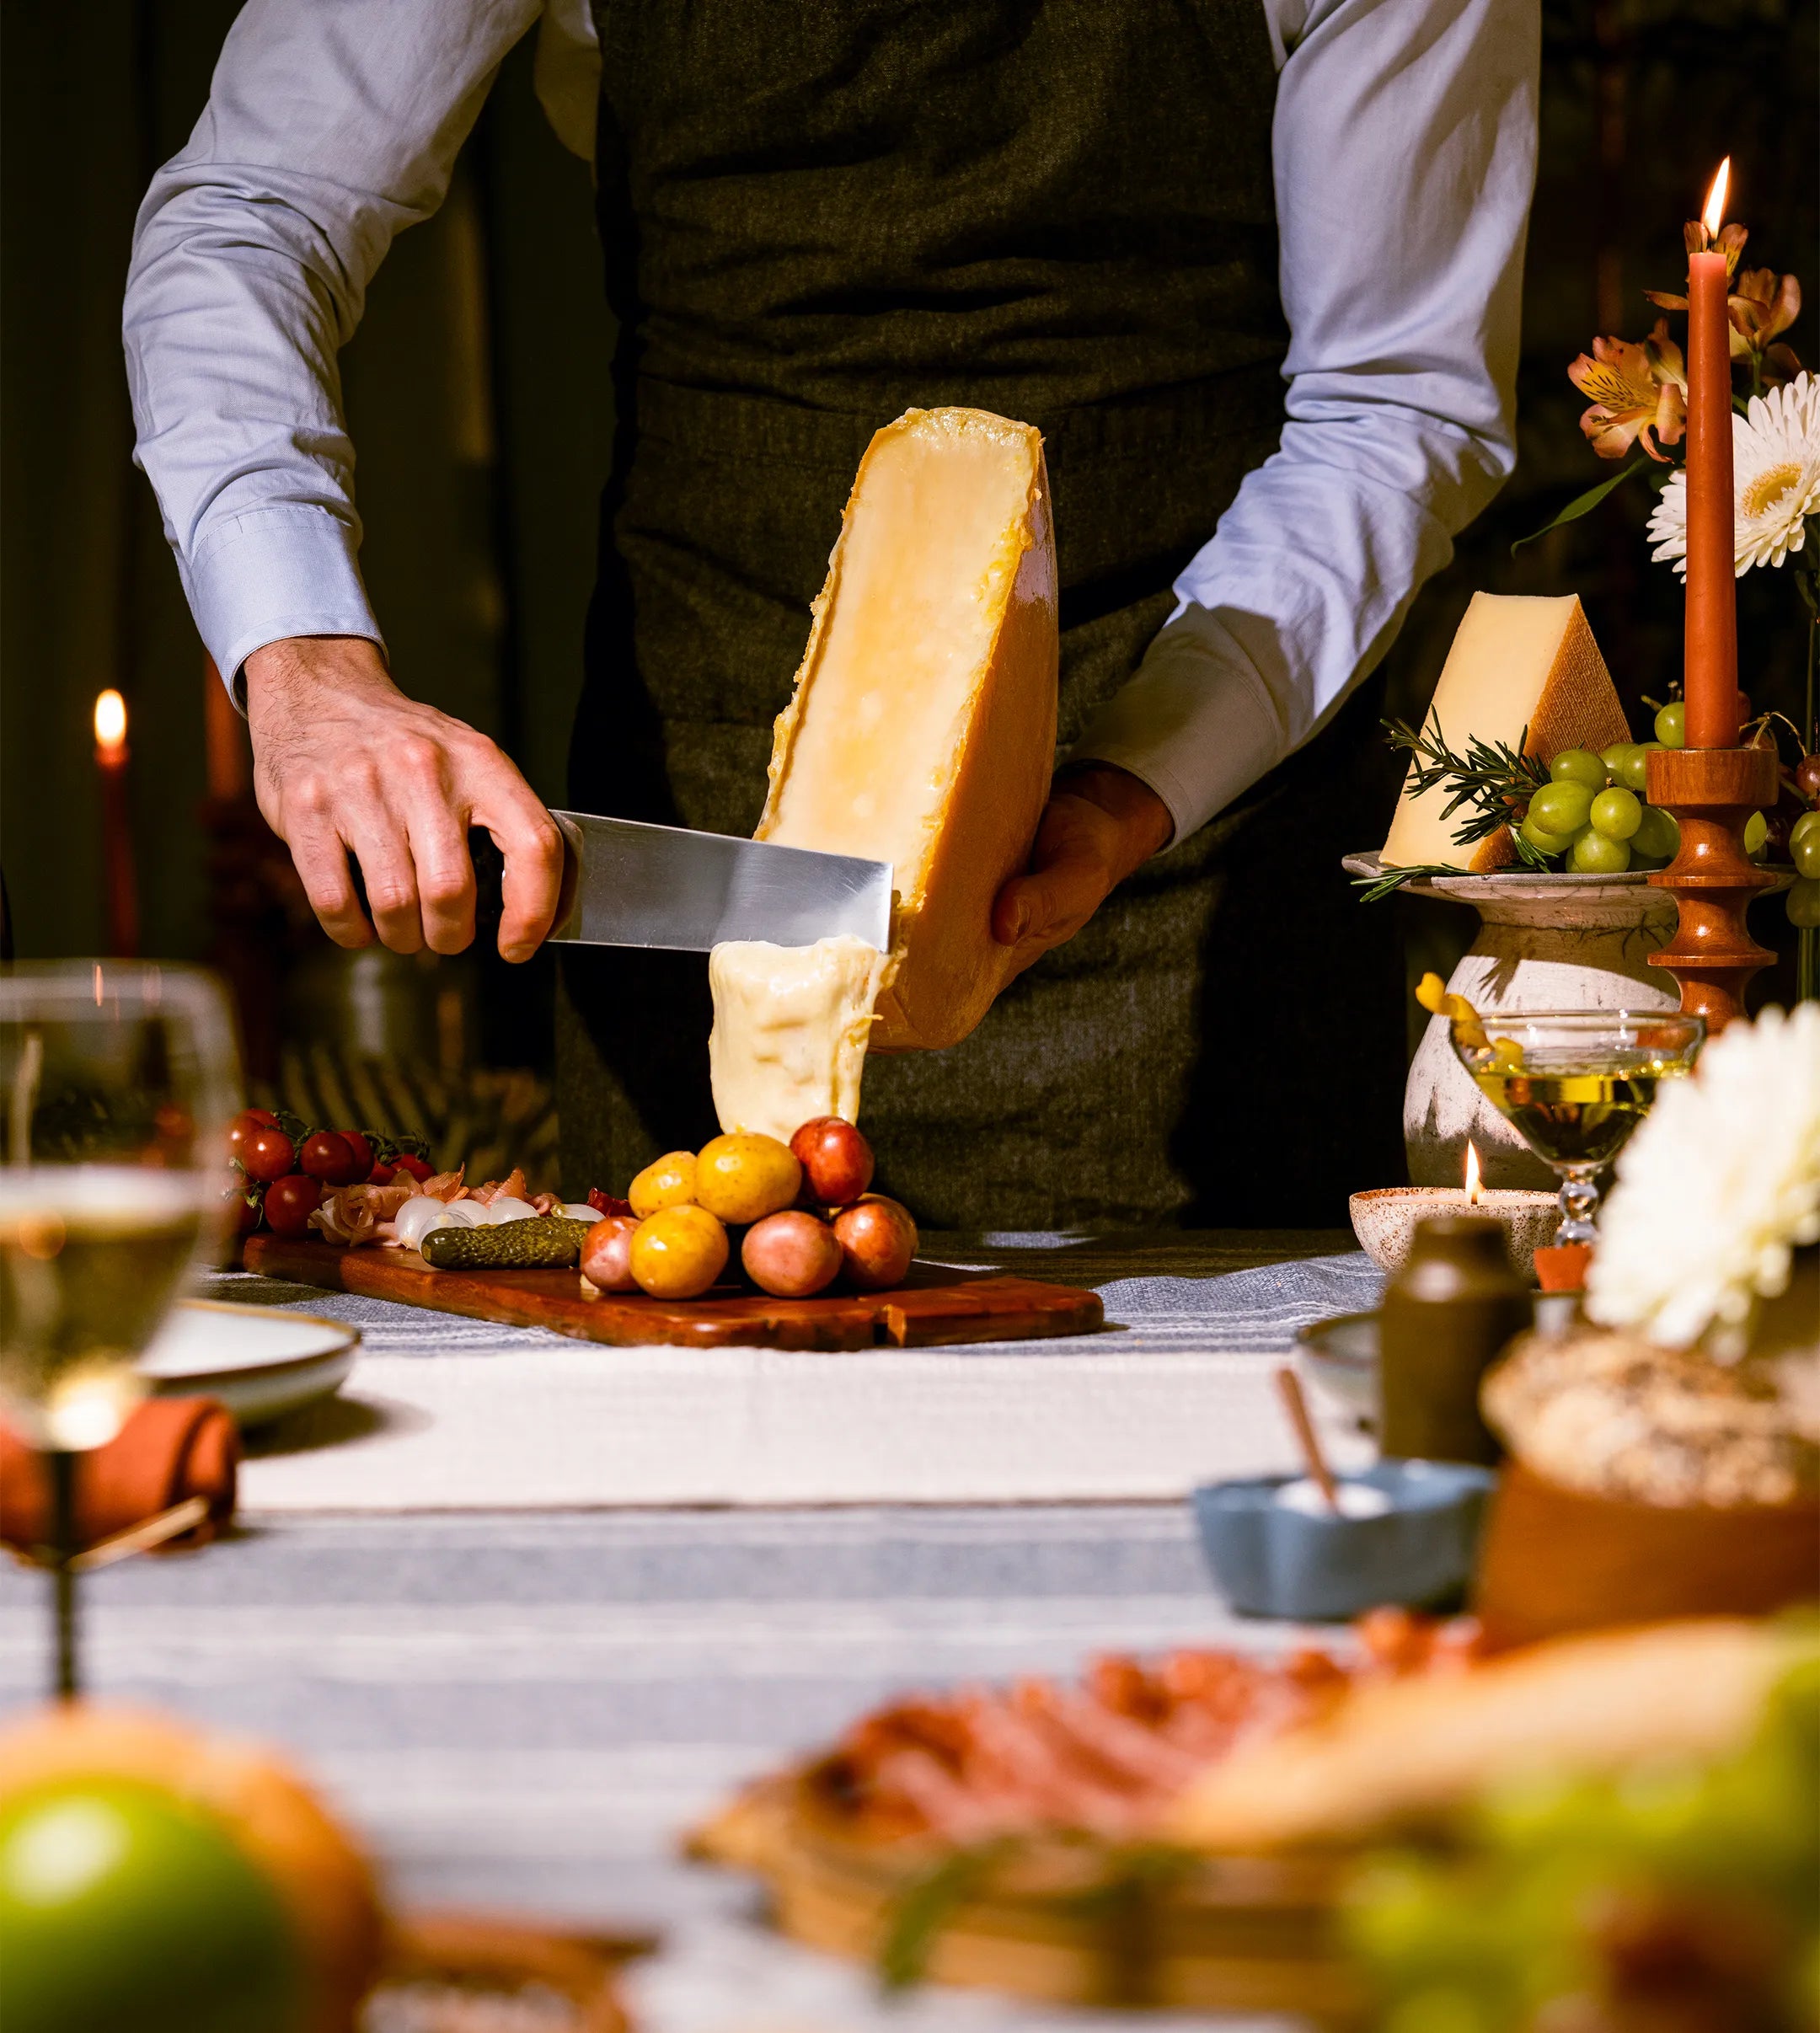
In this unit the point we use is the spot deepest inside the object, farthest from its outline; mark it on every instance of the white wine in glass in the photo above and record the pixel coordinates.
(117, 1083)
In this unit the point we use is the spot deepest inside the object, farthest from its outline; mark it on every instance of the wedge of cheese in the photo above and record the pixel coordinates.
(790, 1029)
(1517, 662)
(921, 731)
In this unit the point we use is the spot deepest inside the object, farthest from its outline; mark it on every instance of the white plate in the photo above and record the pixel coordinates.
(260, 1363)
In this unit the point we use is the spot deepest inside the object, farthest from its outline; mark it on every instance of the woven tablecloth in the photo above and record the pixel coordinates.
(523, 1705)
(444, 1413)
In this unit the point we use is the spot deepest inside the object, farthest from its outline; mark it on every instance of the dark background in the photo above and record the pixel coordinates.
(479, 403)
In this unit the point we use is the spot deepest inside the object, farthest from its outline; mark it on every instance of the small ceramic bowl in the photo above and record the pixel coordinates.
(1338, 1359)
(1272, 1559)
(1384, 1220)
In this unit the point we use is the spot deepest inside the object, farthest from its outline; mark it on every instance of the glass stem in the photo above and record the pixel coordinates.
(1579, 1197)
(62, 1466)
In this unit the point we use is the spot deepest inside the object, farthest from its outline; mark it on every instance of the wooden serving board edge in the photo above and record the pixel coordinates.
(970, 1308)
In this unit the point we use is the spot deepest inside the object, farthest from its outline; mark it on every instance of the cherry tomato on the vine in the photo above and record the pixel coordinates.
(246, 1124)
(419, 1168)
(330, 1157)
(361, 1145)
(290, 1202)
(267, 1154)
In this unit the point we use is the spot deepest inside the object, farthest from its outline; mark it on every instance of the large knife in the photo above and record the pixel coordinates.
(628, 884)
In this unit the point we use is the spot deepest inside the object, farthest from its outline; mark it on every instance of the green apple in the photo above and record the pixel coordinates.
(122, 1910)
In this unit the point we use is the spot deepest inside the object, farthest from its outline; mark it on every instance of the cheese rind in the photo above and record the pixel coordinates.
(922, 729)
(1518, 661)
(790, 1028)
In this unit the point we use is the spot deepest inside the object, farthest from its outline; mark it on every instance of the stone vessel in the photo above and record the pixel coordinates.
(1545, 942)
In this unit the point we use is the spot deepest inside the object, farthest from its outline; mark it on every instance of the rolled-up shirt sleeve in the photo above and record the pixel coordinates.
(1404, 143)
(331, 125)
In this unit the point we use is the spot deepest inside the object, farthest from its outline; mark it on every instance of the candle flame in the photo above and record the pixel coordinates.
(1714, 216)
(109, 719)
(1472, 1174)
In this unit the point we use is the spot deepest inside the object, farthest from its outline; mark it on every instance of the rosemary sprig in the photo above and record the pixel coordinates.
(1387, 882)
(1495, 779)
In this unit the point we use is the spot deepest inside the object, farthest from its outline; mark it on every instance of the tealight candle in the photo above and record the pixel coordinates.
(1385, 1220)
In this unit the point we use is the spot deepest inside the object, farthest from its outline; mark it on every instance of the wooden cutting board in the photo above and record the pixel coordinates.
(939, 1304)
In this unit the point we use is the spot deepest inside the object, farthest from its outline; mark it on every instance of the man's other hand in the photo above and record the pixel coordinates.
(1100, 823)
(343, 763)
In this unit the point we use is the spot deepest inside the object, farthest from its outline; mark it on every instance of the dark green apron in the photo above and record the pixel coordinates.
(817, 214)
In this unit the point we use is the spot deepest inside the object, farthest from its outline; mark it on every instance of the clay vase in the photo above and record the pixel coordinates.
(1545, 942)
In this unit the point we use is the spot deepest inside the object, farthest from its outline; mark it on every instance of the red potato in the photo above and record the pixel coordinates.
(836, 1159)
(267, 1154)
(792, 1255)
(606, 1254)
(290, 1202)
(330, 1157)
(878, 1238)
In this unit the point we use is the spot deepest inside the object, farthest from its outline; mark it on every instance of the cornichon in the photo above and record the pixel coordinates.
(551, 1242)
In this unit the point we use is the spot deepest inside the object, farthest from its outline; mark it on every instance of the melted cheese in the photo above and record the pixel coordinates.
(1518, 662)
(922, 729)
(790, 1028)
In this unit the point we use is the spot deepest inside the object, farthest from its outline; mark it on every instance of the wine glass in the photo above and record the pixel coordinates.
(1575, 1082)
(117, 1085)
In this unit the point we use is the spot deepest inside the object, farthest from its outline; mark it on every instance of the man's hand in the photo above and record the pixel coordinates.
(343, 761)
(1100, 823)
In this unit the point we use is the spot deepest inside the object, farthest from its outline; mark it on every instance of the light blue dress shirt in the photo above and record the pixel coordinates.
(1404, 144)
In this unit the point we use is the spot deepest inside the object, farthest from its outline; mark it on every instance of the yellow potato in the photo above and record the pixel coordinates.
(679, 1252)
(744, 1177)
(670, 1182)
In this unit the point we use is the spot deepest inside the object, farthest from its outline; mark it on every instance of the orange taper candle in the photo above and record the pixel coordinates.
(1712, 653)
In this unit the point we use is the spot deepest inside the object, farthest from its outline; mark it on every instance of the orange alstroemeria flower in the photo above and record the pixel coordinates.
(1639, 393)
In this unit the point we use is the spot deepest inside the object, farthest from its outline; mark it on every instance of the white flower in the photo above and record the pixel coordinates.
(1775, 472)
(1717, 1188)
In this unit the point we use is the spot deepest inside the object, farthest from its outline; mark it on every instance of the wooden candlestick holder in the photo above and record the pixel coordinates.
(1712, 793)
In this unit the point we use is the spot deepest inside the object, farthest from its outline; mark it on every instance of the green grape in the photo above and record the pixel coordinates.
(1671, 725)
(1595, 854)
(1657, 837)
(1809, 822)
(1804, 903)
(1756, 832)
(1561, 808)
(1804, 847)
(1624, 760)
(1617, 813)
(1579, 766)
(1543, 841)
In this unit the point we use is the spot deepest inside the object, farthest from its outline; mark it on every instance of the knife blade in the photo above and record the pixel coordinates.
(626, 883)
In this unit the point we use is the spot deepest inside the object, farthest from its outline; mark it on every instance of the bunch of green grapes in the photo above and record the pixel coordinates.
(1683, 1896)
(1593, 812)
(1804, 851)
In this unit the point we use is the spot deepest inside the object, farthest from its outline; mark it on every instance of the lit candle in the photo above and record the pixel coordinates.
(116, 831)
(1711, 652)
(1472, 1186)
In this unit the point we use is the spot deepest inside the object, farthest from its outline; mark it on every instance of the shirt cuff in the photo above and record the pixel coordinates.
(1195, 723)
(274, 572)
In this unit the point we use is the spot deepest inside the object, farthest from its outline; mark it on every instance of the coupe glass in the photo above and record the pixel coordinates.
(1575, 1082)
(117, 1085)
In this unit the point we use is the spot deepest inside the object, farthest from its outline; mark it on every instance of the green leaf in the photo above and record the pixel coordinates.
(928, 1905)
(1583, 505)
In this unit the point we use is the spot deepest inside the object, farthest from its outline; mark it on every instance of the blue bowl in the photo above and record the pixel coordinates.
(1271, 1561)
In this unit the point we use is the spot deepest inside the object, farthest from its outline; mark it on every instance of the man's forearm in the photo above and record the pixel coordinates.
(1404, 145)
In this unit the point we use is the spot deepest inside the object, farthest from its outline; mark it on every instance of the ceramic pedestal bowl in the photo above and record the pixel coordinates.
(1545, 942)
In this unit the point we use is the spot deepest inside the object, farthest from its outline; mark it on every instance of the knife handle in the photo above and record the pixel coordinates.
(490, 885)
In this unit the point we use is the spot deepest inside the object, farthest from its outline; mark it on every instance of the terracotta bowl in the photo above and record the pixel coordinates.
(1554, 1560)
(1384, 1220)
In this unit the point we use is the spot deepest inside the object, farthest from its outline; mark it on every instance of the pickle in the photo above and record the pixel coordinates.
(552, 1242)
